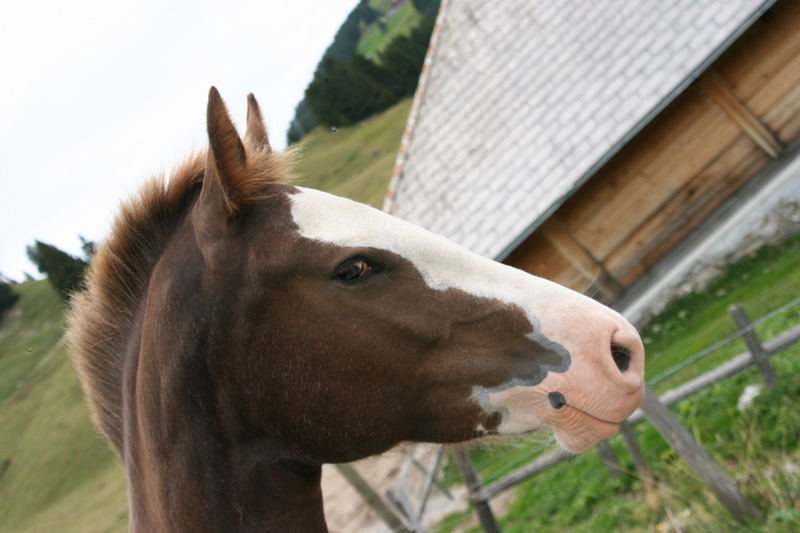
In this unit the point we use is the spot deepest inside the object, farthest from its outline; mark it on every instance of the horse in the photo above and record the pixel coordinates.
(236, 331)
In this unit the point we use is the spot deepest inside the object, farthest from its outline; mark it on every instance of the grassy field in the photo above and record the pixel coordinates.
(759, 447)
(56, 474)
(378, 35)
(356, 161)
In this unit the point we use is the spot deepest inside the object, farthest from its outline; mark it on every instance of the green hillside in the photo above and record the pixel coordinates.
(56, 473)
(355, 161)
(378, 35)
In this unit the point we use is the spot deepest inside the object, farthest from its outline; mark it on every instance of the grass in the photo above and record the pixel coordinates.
(378, 35)
(29, 331)
(357, 161)
(56, 473)
(761, 283)
(759, 448)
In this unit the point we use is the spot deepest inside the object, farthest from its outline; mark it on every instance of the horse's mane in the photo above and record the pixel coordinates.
(101, 314)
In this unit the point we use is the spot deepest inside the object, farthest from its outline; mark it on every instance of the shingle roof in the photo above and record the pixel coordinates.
(522, 100)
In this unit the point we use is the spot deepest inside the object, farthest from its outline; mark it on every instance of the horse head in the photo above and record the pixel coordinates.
(356, 330)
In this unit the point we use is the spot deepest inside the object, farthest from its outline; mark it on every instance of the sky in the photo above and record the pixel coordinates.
(98, 95)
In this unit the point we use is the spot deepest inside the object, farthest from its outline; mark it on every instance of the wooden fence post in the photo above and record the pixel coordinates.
(759, 355)
(651, 495)
(697, 458)
(476, 492)
(609, 458)
(372, 498)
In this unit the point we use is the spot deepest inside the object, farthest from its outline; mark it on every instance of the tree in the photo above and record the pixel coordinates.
(88, 247)
(425, 5)
(7, 295)
(302, 123)
(63, 270)
(344, 92)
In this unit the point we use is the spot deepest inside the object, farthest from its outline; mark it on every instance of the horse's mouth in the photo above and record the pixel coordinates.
(597, 418)
(580, 430)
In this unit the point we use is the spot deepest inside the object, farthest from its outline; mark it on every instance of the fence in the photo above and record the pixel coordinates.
(653, 408)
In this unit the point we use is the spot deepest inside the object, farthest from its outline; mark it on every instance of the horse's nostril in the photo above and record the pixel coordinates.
(622, 357)
(557, 399)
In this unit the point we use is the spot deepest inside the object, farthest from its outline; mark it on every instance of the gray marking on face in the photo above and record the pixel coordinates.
(556, 359)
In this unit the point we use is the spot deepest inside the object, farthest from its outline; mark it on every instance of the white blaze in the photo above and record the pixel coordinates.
(442, 263)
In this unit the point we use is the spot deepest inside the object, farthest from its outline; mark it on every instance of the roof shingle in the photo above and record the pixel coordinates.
(523, 100)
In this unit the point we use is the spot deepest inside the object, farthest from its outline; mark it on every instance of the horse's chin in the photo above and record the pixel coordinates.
(584, 431)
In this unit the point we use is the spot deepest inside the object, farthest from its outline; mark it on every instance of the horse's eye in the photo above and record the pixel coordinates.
(353, 269)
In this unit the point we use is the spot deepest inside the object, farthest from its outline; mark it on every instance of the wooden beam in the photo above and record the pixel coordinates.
(373, 499)
(609, 458)
(581, 258)
(722, 94)
(698, 459)
(540, 464)
(760, 356)
(476, 493)
(651, 495)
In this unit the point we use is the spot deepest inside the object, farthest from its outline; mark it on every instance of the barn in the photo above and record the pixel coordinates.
(588, 142)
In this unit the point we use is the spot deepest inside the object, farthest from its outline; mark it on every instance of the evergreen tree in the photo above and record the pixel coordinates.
(63, 270)
(302, 123)
(344, 92)
(7, 295)
(425, 5)
(88, 247)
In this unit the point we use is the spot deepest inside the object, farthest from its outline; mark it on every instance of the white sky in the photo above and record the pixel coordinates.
(97, 95)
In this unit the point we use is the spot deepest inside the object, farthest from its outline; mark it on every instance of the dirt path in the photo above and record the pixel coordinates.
(346, 512)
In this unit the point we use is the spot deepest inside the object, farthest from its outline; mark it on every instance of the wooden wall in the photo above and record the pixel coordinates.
(737, 117)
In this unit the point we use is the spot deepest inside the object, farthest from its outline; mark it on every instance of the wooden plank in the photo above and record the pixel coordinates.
(750, 124)
(781, 342)
(698, 459)
(678, 215)
(576, 253)
(688, 136)
(777, 89)
(757, 351)
(651, 495)
(372, 498)
(477, 494)
(609, 458)
(540, 464)
(758, 66)
(784, 118)
(538, 256)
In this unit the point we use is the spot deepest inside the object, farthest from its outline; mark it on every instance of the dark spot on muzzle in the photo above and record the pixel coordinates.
(557, 399)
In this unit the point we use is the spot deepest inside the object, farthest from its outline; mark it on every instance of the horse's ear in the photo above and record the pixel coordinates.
(256, 131)
(225, 161)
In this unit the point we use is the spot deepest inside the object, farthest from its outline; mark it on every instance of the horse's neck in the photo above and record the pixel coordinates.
(211, 498)
(186, 472)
